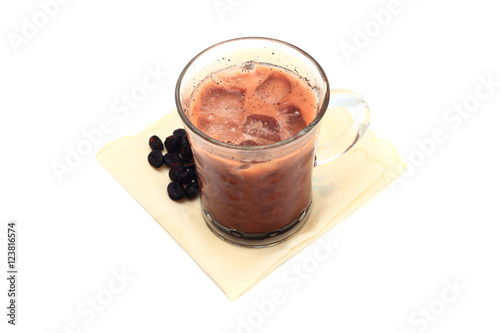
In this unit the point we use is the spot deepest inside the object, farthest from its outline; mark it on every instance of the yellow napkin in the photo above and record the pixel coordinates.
(339, 188)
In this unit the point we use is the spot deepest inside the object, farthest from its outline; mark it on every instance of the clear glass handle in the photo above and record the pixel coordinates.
(357, 109)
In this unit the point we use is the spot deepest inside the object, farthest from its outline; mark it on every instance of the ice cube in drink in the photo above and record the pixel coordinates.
(247, 105)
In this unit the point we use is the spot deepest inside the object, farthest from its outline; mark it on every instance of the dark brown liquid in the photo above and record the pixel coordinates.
(259, 106)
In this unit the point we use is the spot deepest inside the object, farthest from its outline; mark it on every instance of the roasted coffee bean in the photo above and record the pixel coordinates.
(192, 190)
(172, 159)
(186, 153)
(186, 176)
(175, 172)
(173, 144)
(184, 140)
(155, 158)
(176, 191)
(179, 158)
(155, 143)
(180, 132)
(190, 164)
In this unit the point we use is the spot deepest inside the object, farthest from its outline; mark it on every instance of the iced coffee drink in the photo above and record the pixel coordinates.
(247, 194)
(252, 109)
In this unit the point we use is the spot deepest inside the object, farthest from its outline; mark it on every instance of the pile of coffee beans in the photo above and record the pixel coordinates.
(179, 158)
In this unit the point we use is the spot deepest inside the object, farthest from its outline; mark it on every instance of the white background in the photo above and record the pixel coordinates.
(439, 223)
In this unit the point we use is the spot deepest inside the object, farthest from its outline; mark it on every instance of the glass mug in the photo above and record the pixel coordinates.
(257, 196)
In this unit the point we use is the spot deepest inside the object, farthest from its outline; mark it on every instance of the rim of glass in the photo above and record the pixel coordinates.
(295, 137)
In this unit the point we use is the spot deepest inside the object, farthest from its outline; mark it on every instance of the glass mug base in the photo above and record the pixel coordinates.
(270, 238)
